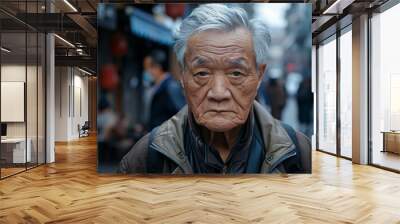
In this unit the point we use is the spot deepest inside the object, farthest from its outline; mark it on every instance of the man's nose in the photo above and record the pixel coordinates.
(219, 90)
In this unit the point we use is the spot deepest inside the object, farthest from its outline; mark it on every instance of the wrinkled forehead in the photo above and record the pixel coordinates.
(226, 46)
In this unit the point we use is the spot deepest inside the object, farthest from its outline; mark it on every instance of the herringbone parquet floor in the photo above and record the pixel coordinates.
(70, 191)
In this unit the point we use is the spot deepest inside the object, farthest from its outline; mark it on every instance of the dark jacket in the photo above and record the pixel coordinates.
(276, 93)
(168, 141)
(166, 102)
(305, 102)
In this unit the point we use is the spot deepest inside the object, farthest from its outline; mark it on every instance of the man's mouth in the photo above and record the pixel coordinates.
(220, 111)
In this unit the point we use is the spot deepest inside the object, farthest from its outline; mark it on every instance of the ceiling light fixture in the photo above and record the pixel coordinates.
(5, 50)
(64, 40)
(70, 5)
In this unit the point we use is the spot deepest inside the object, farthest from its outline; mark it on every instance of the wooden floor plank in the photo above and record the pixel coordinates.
(71, 191)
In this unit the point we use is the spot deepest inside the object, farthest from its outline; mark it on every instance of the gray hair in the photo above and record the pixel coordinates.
(222, 17)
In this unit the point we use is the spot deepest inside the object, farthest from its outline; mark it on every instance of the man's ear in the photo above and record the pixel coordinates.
(261, 71)
(181, 80)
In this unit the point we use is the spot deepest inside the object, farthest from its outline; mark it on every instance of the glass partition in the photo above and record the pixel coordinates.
(385, 89)
(346, 93)
(14, 151)
(327, 96)
(22, 78)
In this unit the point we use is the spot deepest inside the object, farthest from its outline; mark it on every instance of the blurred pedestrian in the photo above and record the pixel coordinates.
(106, 120)
(305, 105)
(167, 96)
(276, 93)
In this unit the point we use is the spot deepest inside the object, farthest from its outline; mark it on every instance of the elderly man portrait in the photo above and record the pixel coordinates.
(223, 56)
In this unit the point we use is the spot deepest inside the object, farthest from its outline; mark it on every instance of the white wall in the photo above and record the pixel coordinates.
(80, 109)
(71, 94)
(61, 103)
(16, 73)
(12, 73)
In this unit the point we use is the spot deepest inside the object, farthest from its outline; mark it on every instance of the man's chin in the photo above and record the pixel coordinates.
(219, 122)
(220, 126)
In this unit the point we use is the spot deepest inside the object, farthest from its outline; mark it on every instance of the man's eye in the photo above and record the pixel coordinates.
(236, 74)
(201, 74)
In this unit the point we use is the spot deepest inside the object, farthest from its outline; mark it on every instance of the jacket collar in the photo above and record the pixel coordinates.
(278, 145)
(168, 140)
